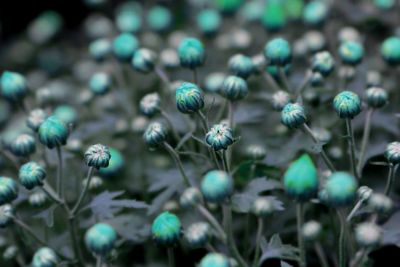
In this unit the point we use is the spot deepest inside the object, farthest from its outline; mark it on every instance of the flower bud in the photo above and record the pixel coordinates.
(240, 65)
(234, 88)
(100, 83)
(348, 34)
(364, 193)
(97, 156)
(10, 252)
(208, 21)
(128, 20)
(53, 132)
(390, 50)
(44, 257)
(23, 146)
(256, 152)
(263, 206)
(155, 134)
(351, 52)
(6, 215)
(8, 190)
(374, 79)
(190, 197)
(66, 114)
(166, 229)
(198, 234)
(169, 58)
(316, 80)
(214, 82)
(144, 60)
(124, 46)
(37, 199)
(139, 124)
(31, 174)
(191, 53)
(115, 164)
(36, 118)
(315, 13)
(171, 206)
(150, 104)
(214, 260)
(159, 19)
(341, 189)
(189, 98)
(322, 134)
(293, 115)
(99, 49)
(377, 97)
(100, 239)
(216, 186)
(278, 52)
(368, 234)
(392, 153)
(311, 230)
(380, 203)
(315, 41)
(13, 86)
(220, 137)
(95, 183)
(347, 104)
(323, 63)
(274, 16)
(279, 100)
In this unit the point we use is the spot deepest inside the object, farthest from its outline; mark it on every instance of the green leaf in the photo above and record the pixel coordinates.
(276, 249)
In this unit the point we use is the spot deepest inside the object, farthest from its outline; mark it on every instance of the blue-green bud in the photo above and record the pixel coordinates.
(31, 174)
(252, 11)
(6, 215)
(214, 81)
(53, 132)
(45, 257)
(390, 50)
(214, 260)
(293, 115)
(150, 104)
(228, 6)
(278, 52)
(66, 114)
(274, 17)
(13, 86)
(234, 88)
(159, 19)
(348, 34)
(351, 52)
(323, 63)
(311, 230)
(155, 134)
(124, 46)
(341, 189)
(347, 104)
(36, 118)
(100, 239)
(97, 156)
(380, 203)
(144, 60)
(115, 164)
(208, 21)
(189, 98)
(37, 199)
(377, 97)
(23, 145)
(190, 197)
(279, 100)
(263, 206)
(368, 235)
(100, 83)
(216, 186)
(166, 229)
(198, 234)
(392, 153)
(273, 70)
(315, 12)
(99, 49)
(128, 21)
(384, 4)
(191, 53)
(220, 137)
(241, 66)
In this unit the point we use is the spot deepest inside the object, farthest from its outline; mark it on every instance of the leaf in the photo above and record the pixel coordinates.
(47, 215)
(132, 228)
(262, 184)
(276, 249)
(249, 168)
(285, 264)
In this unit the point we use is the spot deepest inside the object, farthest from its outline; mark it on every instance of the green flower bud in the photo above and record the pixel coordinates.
(31, 174)
(278, 52)
(100, 239)
(36, 118)
(6, 215)
(253, 11)
(240, 65)
(66, 114)
(377, 97)
(99, 49)
(390, 50)
(214, 82)
(315, 12)
(293, 115)
(191, 53)
(97, 156)
(301, 179)
(144, 60)
(341, 189)
(100, 83)
(198, 234)
(95, 183)
(53, 132)
(166, 229)
(256, 152)
(124, 46)
(10, 252)
(190, 197)
(155, 134)
(115, 164)
(279, 100)
(347, 104)
(392, 152)
(351, 52)
(228, 7)
(234, 88)
(128, 21)
(37, 199)
(13, 86)
(23, 146)
(311, 230)
(323, 63)
(189, 98)
(208, 21)
(216, 186)
(214, 260)
(220, 137)
(384, 4)
(263, 206)
(274, 71)
(150, 104)
(159, 19)
(380, 203)
(45, 257)
(274, 17)
(368, 235)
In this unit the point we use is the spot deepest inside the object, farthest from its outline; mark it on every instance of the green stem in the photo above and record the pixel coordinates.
(210, 218)
(82, 196)
(99, 261)
(74, 238)
(270, 81)
(258, 242)
(230, 115)
(365, 139)
(321, 254)
(178, 162)
(359, 258)
(342, 240)
(390, 178)
(225, 161)
(49, 191)
(284, 79)
(300, 240)
(171, 257)
(351, 147)
(303, 85)
(354, 210)
(59, 172)
(195, 78)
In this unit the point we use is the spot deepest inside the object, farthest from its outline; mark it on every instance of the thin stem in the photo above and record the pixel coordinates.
(195, 79)
(321, 254)
(161, 74)
(351, 147)
(303, 85)
(225, 161)
(59, 172)
(170, 125)
(365, 139)
(271, 82)
(49, 191)
(171, 257)
(221, 111)
(258, 242)
(300, 240)
(204, 212)
(325, 157)
(75, 209)
(284, 79)
(204, 121)
(342, 240)
(359, 258)
(99, 261)
(29, 231)
(178, 162)
(390, 178)
(230, 115)
(354, 210)
(210, 248)
(74, 238)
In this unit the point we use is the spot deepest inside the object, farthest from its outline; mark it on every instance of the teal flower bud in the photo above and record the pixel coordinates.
(293, 115)
(198, 234)
(36, 118)
(128, 20)
(214, 81)
(278, 52)
(252, 11)
(31, 174)
(159, 19)
(100, 239)
(190, 197)
(315, 13)
(351, 52)
(368, 235)
(377, 97)
(169, 58)
(124, 46)
(274, 17)
(150, 104)
(347, 104)
(273, 71)
(228, 6)
(171, 206)
(214, 260)
(384, 4)
(100, 83)
(45, 257)
(216, 186)
(279, 100)
(348, 34)
(323, 63)
(341, 189)
(189, 98)
(301, 179)
(392, 153)
(115, 164)
(316, 80)
(311, 231)
(6, 215)
(208, 21)
(315, 41)
(390, 50)
(66, 114)
(191, 53)
(166, 229)
(144, 60)
(234, 88)
(240, 65)
(99, 49)
(380, 203)
(256, 152)
(23, 145)
(95, 183)
(259, 63)
(263, 206)
(37, 199)
(155, 134)
(97, 156)
(53, 132)
(10, 253)
(13, 86)
(220, 137)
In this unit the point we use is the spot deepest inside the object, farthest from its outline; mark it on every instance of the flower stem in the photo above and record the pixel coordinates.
(271, 82)
(74, 238)
(195, 78)
(284, 79)
(230, 115)
(354, 210)
(178, 163)
(258, 241)
(300, 240)
(342, 240)
(321, 255)
(225, 161)
(213, 222)
(170, 125)
(390, 178)
(365, 140)
(171, 257)
(351, 147)
(99, 261)
(303, 85)
(75, 209)
(59, 172)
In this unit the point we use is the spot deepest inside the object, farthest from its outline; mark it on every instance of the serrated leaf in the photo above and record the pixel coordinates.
(132, 228)
(262, 184)
(276, 249)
